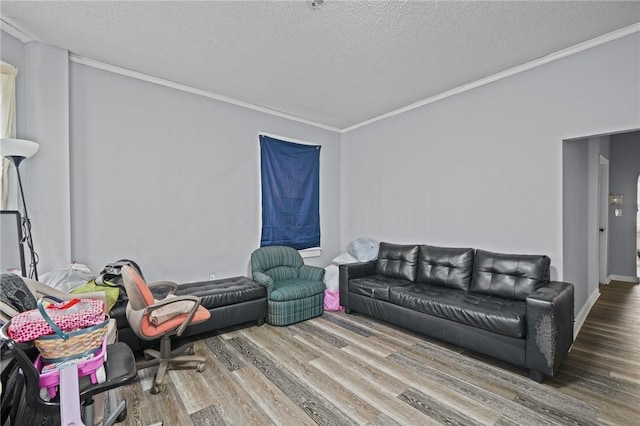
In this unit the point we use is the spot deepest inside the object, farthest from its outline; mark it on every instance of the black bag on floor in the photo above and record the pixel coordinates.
(111, 276)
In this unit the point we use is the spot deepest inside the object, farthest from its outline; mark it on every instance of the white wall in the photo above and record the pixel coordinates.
(624, 171)
(42, 115)
(130, 169)
(484, 168)
(47, 122)
(171, 179)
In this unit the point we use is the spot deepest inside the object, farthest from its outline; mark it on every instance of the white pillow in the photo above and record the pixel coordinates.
(363, 249)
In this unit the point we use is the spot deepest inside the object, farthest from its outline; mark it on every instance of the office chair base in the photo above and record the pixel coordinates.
(167, 359)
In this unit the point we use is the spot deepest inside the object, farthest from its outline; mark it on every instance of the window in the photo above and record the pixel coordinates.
(290, 174)
(7, 113)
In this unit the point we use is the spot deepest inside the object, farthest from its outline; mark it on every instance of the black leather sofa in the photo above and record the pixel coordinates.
(501, 305)
(231, 301)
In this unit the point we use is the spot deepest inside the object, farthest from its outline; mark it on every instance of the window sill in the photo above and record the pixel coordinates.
(310, 252)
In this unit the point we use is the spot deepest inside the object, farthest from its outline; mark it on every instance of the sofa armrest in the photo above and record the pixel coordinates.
(549, 327)
(264, 280)
(350, 271)
(311, 273)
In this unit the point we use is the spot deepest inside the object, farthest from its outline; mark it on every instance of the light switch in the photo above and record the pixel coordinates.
(617, 212)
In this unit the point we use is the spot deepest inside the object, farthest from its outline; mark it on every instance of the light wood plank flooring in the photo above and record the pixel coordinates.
(343, 369)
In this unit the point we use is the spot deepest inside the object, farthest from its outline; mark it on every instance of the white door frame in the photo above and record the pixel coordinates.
(603, 219)
(637, 230)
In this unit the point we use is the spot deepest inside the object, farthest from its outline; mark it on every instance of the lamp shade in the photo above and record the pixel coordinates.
(18, 148)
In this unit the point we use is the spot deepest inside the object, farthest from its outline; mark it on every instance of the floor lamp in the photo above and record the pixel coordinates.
(16, 150)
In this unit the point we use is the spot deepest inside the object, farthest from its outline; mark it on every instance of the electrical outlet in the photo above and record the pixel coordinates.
(212, 276)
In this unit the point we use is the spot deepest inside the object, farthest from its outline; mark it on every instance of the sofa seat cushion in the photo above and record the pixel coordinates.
(492, 313)
(295, 288)
(375, 286)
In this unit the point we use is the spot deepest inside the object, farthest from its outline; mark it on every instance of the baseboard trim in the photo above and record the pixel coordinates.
(624, 278)
(582, 315)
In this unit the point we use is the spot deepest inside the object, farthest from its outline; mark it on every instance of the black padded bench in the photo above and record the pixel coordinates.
(231, 301)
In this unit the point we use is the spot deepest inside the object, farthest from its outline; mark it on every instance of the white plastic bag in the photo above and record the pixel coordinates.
(331, 277)
(66, 279)
(343, 258)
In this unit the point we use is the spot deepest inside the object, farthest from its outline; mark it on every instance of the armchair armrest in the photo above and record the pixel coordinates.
(549, 328)
(312, 273)
(351, 271)
(190, 314)
(265, 280)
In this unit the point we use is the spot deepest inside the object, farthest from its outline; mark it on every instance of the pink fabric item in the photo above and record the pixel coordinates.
(68, 316)
(332, 300)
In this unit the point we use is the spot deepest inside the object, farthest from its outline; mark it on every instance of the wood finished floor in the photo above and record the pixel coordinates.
(343, 369)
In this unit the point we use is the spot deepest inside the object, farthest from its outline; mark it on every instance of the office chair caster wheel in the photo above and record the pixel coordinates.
(201, 367)
(191, 351)
(156, 389)
(122, 416)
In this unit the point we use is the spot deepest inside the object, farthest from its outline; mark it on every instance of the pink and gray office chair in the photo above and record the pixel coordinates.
(140, 307)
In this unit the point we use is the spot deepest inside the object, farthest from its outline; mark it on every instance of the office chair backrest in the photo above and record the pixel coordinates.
(139, 294)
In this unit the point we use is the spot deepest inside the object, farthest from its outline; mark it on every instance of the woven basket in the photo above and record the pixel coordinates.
(85, 341)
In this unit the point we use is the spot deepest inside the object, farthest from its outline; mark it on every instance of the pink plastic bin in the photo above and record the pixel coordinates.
(332, 300)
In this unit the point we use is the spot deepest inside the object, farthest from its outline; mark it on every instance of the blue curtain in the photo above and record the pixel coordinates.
(290, 194)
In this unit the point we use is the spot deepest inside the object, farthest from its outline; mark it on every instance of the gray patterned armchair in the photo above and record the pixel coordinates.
(295, 291)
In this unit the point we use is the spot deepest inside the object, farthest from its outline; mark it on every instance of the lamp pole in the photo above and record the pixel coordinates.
(26, 222)
(16, 150)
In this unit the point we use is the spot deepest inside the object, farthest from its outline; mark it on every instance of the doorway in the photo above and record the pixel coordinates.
(603, 219)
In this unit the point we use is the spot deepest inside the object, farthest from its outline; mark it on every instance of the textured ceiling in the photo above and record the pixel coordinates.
(338, 65)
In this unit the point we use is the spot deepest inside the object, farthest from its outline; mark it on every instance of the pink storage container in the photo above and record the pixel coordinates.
(332, 300)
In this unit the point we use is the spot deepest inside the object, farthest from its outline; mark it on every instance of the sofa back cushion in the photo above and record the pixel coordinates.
(397, 261)
(511, 276)
(444, 266)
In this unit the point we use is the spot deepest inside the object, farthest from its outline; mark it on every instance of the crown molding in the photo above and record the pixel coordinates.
(183, 87)
(8, 26)
(614, 35)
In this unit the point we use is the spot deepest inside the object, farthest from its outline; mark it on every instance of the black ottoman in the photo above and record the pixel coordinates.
(231, 301)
